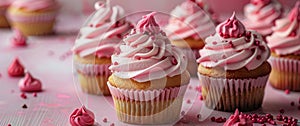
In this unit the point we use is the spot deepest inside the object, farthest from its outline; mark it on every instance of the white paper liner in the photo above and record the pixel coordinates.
(192, 55)
(93, 77)
(228, 94)
(148, 106)
(289, 70)
(43, 17)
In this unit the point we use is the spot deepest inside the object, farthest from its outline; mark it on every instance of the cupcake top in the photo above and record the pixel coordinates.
(147, 54)
(261, 15)
(233, 47)
(238, 119)
(286, 36)
(5, 3)
(35, 5)
(104, 31)
(189, 20)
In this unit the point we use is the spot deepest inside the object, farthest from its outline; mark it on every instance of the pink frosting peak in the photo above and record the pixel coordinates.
(19, 39)
(294, 14)
(16, 69)
(260, 2)
(190, 6)
(30, 84)
(82, 117)
(231, 28)
(238, 119)
(148, 24)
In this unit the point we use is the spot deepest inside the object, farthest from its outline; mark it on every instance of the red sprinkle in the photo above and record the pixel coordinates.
(287, 91)
(23, 95)
(34, 94)
(24, 106)
(188, 101)
(213, 119)
(201, 97)
(105, 120)
(199, 88)
(292, 103)
(9, 125)
(112, 124)
(281, 111)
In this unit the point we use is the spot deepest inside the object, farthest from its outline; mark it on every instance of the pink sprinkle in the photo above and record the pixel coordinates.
(258, 57)
(188, 101)
(112, 124)
(287, 91)
(214, 43)
(201, 97)
(174, 61)
(198, 88)
(223, 56)
(105, 120)
(116, 63)
(23, 95)
(34, 94)
(213, 119)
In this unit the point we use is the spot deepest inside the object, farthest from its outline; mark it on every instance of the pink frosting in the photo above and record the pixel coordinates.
(147, 55)
(232, 52)
(261, 15)
(231, 28)
(82, 117)
(103, 32)
(238, 120)
(16, 69)
(189, 20)
(19, 39)
(30, 84)
(34, 5)
(205, 6)
(286, 36)
(4, 3)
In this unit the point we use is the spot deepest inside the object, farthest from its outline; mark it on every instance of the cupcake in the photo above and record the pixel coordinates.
(187, 29)
(285, 52)
(203, 4)
(4, 4)
(33, 17)
(261, 15)
(96, 42)
(233, 68)
(149, 76)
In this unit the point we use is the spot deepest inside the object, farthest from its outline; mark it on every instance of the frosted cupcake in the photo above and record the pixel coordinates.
(149, 76)
(33, 17)
(203, 4)
(4, 4)
(187, 29)
(96, 43)
(285, 52)
(261, 15)
(233, 68)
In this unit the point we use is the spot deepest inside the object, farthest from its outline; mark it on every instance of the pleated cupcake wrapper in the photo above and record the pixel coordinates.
(93, 78)
(192, 55)
(228, 94)
(38, 18)
(158, 106)
(289, 73)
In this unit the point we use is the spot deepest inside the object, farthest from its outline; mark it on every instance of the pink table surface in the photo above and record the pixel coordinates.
(48, 59)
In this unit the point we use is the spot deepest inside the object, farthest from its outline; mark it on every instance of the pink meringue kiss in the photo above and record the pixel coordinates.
(30, 84)
(231, 28)
(19, 39)
(82, 117)
(16, 69)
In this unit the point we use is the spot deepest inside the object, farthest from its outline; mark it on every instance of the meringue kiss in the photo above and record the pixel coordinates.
(16, 69)
(30, 84)
(82, 117)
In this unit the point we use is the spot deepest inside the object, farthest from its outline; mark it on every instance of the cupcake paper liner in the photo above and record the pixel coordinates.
(228, 94)
(93, 78)
(160, 106)
(285, 73)
(192, 55)
(34, 18)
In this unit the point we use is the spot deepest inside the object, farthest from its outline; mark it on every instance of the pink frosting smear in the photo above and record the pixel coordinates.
(19, 39)
(238, 119)
(147, 54)
(35, 5)
(261, 15)
(103, 32)
(233, 47)
(286, 36)
(189, 20)
(16, 69)
(30, 84)
(82, 117)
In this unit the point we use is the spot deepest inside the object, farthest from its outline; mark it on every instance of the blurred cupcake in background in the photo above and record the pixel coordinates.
(187, 29)
(204, 5)
(261, 15)
(96, 42)
(285, 51)
(33, 17)
(4, 4)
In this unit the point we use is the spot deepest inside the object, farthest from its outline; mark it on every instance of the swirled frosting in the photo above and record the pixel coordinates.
(147, 54)
(203, 4)
(35, 5)
(82, 117)
(16, 69)
(286, 36)
(30, 84)
(261, 15)
(232, 47)
(104, 31)
(19, 39)
(189, 20)
(238, 120)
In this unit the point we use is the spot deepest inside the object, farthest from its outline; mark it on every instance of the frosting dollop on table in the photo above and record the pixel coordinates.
(261, 15)
(233, 47)
(30, 84)
(238, 120)
(286, 36)
(103, 32)
(35, 5)
(189, 20)
(82, 117)
(147, 54)
(19, 39)
(16, 69)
